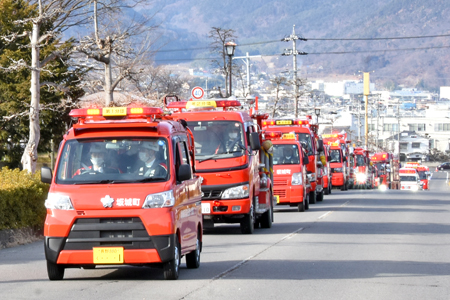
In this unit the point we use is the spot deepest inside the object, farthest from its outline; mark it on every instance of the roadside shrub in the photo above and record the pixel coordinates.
(22, 197)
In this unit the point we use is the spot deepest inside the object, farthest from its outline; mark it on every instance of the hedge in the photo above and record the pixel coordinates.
(22, 197)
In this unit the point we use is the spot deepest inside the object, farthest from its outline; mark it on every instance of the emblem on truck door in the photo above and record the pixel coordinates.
(107, 201)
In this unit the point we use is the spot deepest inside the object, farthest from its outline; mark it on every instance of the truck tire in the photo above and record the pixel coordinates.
(320, 196)
(193, 258)
(248, 222)
(312, 197)
(306, 201)
(266, 218)
(343, 187)
(326, 191)
(55, 271)
(301, 207)
(172, 267)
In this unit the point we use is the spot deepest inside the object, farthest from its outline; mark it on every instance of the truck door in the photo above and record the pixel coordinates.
(186, 203)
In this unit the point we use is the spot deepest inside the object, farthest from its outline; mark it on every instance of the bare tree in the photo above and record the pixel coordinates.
(117, 40)
(219, 38)
(62, 14)
(279, 83)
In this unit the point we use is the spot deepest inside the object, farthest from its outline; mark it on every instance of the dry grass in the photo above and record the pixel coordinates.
(15, 237)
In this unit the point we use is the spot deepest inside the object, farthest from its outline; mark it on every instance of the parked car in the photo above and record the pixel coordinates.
(443, 166)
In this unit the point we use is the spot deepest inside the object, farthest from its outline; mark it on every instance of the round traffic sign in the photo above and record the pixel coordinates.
(197, 92)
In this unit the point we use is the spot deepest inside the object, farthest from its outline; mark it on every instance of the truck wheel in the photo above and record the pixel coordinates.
(248, 222)
(326, 191)
(266, 219)
(55, 271)
(320, 196)
(193, 258)
(330, 187)
(301, 207)
(312, 197)
(306, 199)
(343, 187)
(172, 267)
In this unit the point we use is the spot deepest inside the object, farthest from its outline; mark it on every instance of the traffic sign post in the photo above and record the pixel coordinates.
(197, 92)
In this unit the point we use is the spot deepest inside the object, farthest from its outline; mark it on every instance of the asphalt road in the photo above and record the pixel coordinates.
(363, 244)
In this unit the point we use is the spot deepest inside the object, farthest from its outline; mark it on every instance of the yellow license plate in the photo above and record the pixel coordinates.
(109, 255)
(278, 198)
(114, 111)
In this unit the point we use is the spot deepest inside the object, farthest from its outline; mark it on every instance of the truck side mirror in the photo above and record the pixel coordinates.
(46, 175)
(184, 172)
(320, 145)
(255, 144)
(305, 160)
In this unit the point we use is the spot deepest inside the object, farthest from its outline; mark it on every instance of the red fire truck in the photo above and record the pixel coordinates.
(424, 175)
(338, 151)
(382, 161)
(290, 183)
(228, 158)
(308, 140)
(124, 192)
(363, 173)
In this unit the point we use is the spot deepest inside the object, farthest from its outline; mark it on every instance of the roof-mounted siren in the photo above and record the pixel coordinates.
(100, 114)
(170, 98)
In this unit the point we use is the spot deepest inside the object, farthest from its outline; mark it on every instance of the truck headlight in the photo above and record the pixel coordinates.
(164, 199)
(58, 201)
(361, 177)
(297, 179)
(311, 176)
(236, 192)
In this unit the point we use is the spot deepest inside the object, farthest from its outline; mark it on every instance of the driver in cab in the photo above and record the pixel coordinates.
(97, 153)
(232, 142)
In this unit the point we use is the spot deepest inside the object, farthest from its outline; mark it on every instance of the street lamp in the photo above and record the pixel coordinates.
(317, 113)
(229, 48)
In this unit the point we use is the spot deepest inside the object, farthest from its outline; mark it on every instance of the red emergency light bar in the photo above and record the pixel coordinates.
(203, 104)
(410, 171)
(288, 122)
(115, 112)
(273, 134)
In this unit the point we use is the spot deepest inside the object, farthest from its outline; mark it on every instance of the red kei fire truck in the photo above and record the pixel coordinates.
(424, 175)
(338, 152)
(382, 161)
(124, 192)
(313, 147)
(229, 158)
(363, 173)
(290, 184)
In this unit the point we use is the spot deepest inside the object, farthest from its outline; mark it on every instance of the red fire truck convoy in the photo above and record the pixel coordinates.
(327, 186)
(363, 174)
(290, 184)
(338, 158)
(124, 192)
(313, 147)
(228, 158)
(382, 161)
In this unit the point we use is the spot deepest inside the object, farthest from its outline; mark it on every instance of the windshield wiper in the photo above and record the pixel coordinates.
(148, 179)
(96, 181)
(217, 154)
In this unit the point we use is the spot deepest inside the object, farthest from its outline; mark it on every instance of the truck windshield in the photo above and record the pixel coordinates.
(422, 175)
(335, 156)
(408, 178)
(285, 155)
(217, 139)
(127, 160)
(306, 139)
(360, 160)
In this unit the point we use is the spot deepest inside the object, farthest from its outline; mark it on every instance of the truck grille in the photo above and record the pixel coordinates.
(281, 193)
(211, 194)
(280, 182)
(129, 233)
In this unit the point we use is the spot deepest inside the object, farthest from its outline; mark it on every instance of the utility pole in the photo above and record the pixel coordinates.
(247, 62)
(366, 95)
(293, 37)
(378, 116)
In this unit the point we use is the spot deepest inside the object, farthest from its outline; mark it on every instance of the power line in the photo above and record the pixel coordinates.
(319, 39)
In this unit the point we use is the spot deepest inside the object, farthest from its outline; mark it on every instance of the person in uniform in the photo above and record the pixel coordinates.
(97, 153)
(151, 165)
(289, 158)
